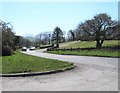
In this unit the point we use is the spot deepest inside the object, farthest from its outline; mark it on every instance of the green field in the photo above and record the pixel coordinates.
(20, 63)
(104, 52)
(88, 44)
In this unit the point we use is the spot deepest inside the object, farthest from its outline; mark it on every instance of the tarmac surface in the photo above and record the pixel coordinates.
(91, 74)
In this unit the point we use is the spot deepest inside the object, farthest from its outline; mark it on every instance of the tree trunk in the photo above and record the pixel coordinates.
(99, 43)
(73, 37)
(57, 45)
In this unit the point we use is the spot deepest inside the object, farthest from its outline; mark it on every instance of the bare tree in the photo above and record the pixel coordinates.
(71, 35)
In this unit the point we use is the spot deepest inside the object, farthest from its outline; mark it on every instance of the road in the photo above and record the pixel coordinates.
(91, 74)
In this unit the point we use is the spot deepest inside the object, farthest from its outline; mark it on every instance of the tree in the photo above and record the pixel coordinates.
(77, 34)
(114, 32)
(8, 45)
(49, 37)
(58, 36)
(40, 37)
(97, 28)
(71, 35)
(46, 37)
(43, 38)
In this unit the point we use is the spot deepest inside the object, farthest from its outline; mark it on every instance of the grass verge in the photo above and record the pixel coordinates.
(100, 53)
(20, 63)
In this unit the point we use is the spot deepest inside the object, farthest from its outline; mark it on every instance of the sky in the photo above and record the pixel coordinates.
(37, 17)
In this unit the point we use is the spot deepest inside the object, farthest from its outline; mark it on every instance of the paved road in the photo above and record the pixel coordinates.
(91, 74)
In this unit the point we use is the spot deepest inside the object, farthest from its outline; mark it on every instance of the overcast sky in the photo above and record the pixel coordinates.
(37, 17)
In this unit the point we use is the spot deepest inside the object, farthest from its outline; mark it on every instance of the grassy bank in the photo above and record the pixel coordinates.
(101, 53)
(19, 63)
(109, 50)
(88, 44)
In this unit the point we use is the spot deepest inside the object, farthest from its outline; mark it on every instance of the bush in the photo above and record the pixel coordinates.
(7, 50)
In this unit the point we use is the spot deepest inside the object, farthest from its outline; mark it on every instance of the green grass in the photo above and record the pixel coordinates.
(19, 63)
(88, 44)
(101, 53)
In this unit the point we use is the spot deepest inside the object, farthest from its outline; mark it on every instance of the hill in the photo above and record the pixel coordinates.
(31, 38)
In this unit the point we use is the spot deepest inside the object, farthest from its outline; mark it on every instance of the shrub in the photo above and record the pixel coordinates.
(7, 50)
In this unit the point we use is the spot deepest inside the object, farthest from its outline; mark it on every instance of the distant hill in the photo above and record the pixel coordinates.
(31, 38)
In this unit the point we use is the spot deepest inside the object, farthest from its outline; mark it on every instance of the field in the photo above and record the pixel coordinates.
(109, 49)
(20, 63)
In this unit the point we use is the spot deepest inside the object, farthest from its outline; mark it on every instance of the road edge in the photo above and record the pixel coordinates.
(37, 73)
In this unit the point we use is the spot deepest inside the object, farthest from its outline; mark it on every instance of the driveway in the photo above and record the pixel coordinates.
(91, 74)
